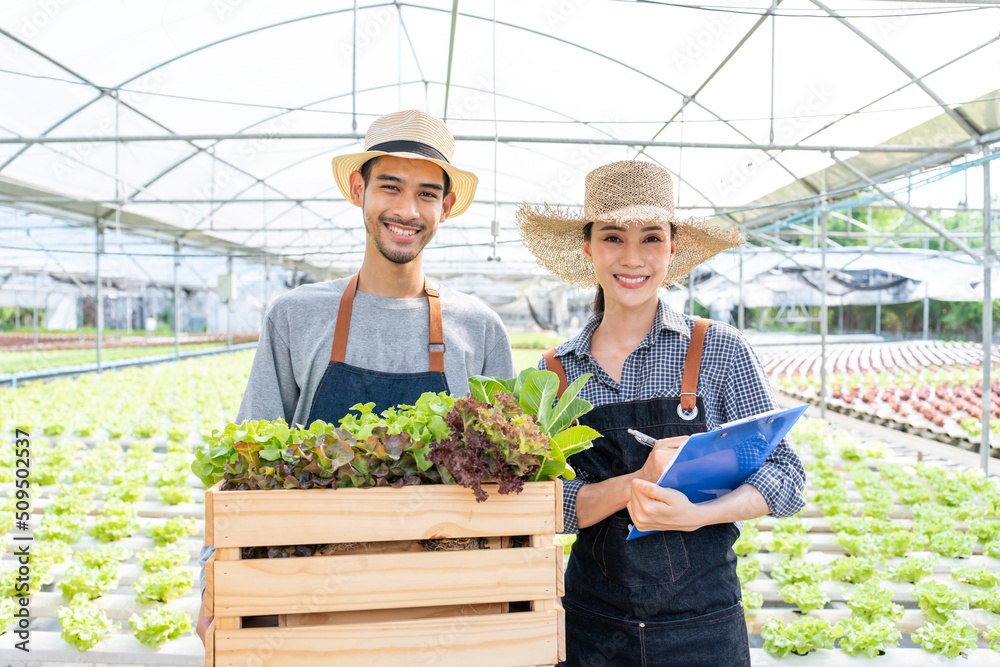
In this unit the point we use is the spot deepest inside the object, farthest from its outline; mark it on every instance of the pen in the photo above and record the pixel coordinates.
(642, 437)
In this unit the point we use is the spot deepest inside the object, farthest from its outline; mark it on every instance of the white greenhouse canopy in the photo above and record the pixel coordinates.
(214, 123)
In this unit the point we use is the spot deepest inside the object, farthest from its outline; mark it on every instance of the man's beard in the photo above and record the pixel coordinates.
(393, 255)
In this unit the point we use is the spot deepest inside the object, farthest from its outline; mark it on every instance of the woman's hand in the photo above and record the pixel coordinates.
(660, 457)
(655, 508)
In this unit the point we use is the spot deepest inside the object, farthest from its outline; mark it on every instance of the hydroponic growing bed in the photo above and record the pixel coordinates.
(933, 389)
(109, 458)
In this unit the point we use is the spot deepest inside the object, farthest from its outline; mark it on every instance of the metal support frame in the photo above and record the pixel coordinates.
(822, 307)
(229, 303)
(98, 298)
(34, 308)
(177, 301)
(985, 445)
(944, 233)
(741, 312)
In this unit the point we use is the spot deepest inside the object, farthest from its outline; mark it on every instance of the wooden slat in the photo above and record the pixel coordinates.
(383, 615)
(503, 640)
(210, 645)
(325, 516)
(209, 515)
(223, 555)
(383, 581)
(547, 602)
(208, 598)
(561, 615)
(559, 506)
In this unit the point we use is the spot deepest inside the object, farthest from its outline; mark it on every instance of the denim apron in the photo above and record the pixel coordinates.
(671, 598)
(343, 385)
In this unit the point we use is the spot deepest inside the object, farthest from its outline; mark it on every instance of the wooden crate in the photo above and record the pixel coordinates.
(398, 605)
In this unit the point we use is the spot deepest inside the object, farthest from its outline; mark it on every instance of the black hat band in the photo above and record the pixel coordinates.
(406, 146)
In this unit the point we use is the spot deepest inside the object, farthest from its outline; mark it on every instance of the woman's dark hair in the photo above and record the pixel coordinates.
(599, 297)
(366, 173)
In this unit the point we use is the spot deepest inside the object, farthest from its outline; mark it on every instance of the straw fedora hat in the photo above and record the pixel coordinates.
(622, 193)
(414, 135)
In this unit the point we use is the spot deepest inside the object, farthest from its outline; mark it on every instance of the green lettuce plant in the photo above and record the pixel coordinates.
(951, 638)
(159, 625)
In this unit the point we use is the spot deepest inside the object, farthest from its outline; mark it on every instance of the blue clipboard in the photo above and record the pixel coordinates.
(715, 463)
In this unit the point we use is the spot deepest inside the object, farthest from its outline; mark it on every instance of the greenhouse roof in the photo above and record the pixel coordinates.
(214, 123)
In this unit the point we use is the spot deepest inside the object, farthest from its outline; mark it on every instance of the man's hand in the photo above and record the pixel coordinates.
(203, 623)
(655, 508)
(660, 457)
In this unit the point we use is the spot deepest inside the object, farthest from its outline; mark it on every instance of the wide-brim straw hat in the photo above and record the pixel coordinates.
(622, 193)
(414, 135)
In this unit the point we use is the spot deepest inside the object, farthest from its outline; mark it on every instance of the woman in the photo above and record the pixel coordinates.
(672, 598)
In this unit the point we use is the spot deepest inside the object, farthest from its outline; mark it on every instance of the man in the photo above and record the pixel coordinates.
(386, 334)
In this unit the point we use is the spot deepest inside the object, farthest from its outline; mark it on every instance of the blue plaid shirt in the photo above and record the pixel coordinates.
(731, 385)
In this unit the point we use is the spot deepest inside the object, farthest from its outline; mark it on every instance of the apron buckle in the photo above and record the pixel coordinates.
(683, 414)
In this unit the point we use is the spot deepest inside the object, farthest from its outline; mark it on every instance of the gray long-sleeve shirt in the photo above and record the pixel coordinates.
(387, 335)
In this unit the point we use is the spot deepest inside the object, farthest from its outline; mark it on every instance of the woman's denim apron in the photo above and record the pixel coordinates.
(671, 598)
(343, 386)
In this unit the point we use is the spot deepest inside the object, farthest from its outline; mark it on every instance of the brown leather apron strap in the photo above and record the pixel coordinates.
(338, 352)
(436, 328)
(692, 365)
(554, 365)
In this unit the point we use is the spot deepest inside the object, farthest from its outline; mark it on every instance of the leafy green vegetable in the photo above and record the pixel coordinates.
(938, 601)
(119, 520)
(856, 570)
(63, 527)
(806, 596)
(83, 624)
(171, 530)
(953, 544)
(858, 545)
(868, 637)
(496, 443)
(984, 530)
(949, 638)
(92, 582)
(988, 600)
(978, 576)
(747, 570)
(992, 635)
(796, 570)
(748, 542)
(162, 558)
(103, 555)
(751, 599)
(900, 542)
(913, 568)
(7, 610)
(535, 392)
(163, 585)
(800, 637)
(788, 536)
(159, 625)
(174, 495)
(873, 601)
